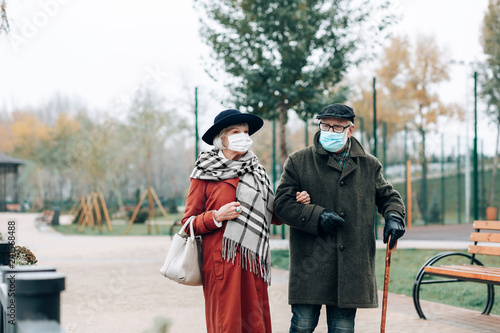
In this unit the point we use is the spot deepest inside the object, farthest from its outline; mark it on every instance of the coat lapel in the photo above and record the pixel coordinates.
(351, 163)
(333, 164)
(350, 166)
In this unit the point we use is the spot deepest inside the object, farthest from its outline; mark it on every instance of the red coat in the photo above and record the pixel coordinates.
(236, 299)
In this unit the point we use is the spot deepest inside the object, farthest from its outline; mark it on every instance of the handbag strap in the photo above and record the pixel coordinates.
(191, 230)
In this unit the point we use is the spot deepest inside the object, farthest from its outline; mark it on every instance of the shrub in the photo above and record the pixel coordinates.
(23, 256)
(141, 217)
(172, 206)
(435, 211)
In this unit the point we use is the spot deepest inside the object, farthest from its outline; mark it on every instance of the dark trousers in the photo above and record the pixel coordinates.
(305, 318)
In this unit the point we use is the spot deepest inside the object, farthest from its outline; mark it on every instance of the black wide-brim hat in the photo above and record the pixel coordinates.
(232, 117)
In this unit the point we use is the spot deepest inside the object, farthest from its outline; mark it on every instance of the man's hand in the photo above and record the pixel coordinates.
(394, 226)
(330, 222)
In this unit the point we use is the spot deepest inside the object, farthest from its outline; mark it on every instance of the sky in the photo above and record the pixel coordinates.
(101, 51)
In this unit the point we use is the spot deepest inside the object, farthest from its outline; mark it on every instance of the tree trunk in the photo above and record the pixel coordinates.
(151, 207)
(491, 199)
(282, 113)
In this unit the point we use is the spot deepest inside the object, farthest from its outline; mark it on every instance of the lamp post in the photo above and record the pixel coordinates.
(469, 64)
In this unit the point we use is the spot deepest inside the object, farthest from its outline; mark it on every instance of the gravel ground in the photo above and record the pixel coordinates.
(113, 284)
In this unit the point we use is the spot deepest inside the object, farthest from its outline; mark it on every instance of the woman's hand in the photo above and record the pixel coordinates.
(228, 212)
(303, 197)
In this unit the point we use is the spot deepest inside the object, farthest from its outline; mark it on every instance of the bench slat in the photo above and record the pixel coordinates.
(474, 268)
(466, 272)
(485, 237)
(490, 225)
(489, 250)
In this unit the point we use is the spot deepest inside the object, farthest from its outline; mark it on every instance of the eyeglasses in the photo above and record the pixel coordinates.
(336, 128)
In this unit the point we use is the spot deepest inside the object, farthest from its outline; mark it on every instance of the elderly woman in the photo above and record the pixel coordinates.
(232, 199)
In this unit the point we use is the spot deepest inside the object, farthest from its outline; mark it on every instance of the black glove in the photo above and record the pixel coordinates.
(330, 222)
(394, 226)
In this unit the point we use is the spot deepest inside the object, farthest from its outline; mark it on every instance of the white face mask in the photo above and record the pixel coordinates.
(240, 142)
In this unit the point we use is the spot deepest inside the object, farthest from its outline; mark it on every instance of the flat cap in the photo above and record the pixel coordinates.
(337, 111)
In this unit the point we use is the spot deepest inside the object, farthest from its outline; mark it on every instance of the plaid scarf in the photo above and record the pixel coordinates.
(344, 155)
(249, 232)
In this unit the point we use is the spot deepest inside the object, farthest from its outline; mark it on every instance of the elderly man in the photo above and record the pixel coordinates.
(332, 239)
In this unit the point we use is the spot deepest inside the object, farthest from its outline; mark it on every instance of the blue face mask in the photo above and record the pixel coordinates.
(332, 141)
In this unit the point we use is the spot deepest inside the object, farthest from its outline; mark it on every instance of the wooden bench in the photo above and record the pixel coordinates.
(13, 207)
(475, 271)
(46, 217)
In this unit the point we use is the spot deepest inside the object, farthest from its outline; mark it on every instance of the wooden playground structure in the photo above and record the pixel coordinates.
(91, 210)
(87, 212)
(150, 192)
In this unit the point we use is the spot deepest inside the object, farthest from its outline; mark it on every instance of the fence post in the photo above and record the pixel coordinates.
(443, 210)
(408, 194)
(375, 141)
(459, 184)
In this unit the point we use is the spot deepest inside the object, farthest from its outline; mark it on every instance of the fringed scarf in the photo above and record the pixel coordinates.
(248, 233)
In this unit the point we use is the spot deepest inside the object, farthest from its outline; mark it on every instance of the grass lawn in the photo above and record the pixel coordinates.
(137, 229)
(453, 196)
(405, 264)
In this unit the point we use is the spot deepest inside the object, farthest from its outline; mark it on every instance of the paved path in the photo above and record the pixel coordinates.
(113, 285)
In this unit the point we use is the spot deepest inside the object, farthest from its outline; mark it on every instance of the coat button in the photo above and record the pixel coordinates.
(303, 219)
(342, 214)
(341, 247)
(342, 183)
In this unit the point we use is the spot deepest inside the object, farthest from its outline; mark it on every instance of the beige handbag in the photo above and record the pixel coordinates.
(183, 262)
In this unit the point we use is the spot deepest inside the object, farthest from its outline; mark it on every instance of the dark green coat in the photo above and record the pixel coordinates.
(336, 269)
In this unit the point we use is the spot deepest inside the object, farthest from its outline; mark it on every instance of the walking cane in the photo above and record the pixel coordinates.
(386, 283)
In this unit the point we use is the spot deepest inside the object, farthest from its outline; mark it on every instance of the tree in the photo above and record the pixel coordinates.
(289, 55)
(490, 76)
(151, 125)
(4, 22)
(30, 134)
(6, 140)
(409, 77)
(49, 152)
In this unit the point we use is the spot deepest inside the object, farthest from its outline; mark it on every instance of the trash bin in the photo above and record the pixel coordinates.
(5, 249)
(491, 213)
(55, 219)
(38, 295)
(8, 286)
(6, 270)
